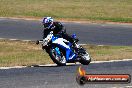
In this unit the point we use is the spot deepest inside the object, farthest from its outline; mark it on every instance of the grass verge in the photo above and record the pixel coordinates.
(14, 53)
(88, 10)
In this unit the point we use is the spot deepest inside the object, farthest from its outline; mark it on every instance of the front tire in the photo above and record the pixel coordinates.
(59, 60)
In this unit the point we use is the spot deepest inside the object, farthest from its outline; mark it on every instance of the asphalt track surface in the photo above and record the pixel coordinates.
(65, 77)
(61, 77)
(101, 34)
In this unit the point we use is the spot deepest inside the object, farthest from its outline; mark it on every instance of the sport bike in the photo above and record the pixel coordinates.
(61, 51)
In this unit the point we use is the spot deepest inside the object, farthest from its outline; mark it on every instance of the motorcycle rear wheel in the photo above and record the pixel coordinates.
(85, 62)
(85, 59)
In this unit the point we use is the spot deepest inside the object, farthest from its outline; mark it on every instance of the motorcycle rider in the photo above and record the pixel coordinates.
(57, 28)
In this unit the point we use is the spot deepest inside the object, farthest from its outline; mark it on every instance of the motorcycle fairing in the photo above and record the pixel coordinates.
(62, 43)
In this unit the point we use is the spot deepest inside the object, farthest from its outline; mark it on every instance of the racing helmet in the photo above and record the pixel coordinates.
(47, 22)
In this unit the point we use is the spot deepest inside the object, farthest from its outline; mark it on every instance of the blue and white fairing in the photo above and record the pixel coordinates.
(65, 45)
(61, 51)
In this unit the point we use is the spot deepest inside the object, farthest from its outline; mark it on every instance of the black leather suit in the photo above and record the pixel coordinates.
(57, 28)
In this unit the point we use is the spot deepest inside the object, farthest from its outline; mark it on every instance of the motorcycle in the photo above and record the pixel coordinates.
(61, 51)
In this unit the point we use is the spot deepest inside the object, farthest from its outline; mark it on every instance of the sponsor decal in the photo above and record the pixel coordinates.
(83, 78)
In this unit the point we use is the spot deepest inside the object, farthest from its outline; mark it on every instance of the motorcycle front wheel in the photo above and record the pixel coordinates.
(57, 58)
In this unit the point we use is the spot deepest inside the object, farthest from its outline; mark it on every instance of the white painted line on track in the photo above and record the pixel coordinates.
(128, 86)
(91, 62)
(13, 67)
(82, 44)
(111, 61)
(13, 39)
(68, 64)
(2, 38)
(100, 45)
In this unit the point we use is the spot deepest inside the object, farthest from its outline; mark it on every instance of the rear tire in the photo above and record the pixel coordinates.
(85, 58)
(58, 61)
(85, 62)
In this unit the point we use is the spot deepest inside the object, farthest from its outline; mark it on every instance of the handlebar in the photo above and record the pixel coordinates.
(46, 40)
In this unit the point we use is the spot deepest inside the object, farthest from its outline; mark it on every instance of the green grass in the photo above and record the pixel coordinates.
(14, 53)
(107, 53)
(88, 10)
